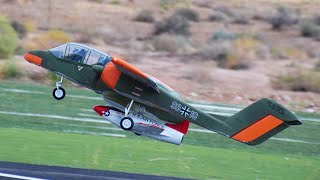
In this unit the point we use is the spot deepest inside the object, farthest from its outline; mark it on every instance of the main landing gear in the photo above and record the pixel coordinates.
(126, 123)
(59, 93)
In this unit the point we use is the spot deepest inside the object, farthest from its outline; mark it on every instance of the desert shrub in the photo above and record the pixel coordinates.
(217, 16)
(283, 17)
(241, 19)
(308, 28)
(88, 35)
(96, 1)
(145, 16)
(19, 28)
(167, 4)
(316, 19)
(8, 38)
(30, 26)
(10, 70)
(214, 51)
(233, 61)
(169, 43)
(225, 10)
(188, 13)
(317, 66)
(230, 51)
(174, 24)
(46, 40)
(222, 35)
(203, 3)
(298, 81)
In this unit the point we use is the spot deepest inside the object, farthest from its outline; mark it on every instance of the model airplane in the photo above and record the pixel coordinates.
(142, 104)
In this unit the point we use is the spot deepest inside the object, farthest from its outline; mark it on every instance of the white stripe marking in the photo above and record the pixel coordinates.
(38, 92)
(87, 115)
(54, 117)
(92, 133)
(205, 106)
(19, 177)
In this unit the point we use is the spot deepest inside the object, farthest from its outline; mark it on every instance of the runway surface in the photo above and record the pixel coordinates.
(9, 170)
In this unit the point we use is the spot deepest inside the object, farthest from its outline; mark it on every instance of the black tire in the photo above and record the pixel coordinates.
(58, 93)
(126, 123)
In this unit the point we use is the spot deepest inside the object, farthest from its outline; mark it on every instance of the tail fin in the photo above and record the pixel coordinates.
(259, 121)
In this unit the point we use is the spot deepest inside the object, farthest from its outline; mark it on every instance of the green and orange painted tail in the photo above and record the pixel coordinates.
(257, 122)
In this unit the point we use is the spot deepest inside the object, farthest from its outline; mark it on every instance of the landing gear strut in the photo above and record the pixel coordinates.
(58, 93)
(127, 109)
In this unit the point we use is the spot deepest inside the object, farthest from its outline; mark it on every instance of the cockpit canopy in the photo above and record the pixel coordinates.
(81, 54)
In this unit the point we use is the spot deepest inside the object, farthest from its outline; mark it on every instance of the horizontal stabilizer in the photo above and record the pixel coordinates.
(262, 120)
(257, 122)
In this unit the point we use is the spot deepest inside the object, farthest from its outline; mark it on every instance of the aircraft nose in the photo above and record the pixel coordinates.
(32, 58)
(100, 109)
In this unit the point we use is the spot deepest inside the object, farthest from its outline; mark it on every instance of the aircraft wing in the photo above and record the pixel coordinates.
(135, 73)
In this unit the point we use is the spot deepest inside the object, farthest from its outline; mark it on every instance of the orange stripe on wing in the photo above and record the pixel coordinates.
(124, 64)
(257, 129)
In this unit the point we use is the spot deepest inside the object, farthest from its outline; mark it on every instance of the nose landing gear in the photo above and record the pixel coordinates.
(59, 93)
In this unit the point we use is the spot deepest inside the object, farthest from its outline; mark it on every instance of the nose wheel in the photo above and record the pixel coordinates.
(59, 93)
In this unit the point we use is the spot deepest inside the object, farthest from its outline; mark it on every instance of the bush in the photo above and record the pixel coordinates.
(283, 17)
(11, 70)
(316, 19)
(46, 40)
(169, 43)
(19, 28)
(167, 4)
(175, 24)
(8, 39)
(189, 14)
(96, 1)
(225, 10)
(317, 66)
(214, 51)
(217, 16)
(145, 16)
(309, 29)
(203, 3)
(30, 26)
(241, 19)
(298, 81)
(222, 35)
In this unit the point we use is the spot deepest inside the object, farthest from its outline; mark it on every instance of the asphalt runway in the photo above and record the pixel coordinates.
(9, 170)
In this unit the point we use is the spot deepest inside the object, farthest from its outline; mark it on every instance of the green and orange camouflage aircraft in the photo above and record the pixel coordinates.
(142, 104)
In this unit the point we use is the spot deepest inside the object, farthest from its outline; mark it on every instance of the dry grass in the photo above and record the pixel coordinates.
(283, 17)
(10, 70)
(170, 43)
(310, 28)
(174, 24)
(217, 16)
(46, 40)
(145, 16)
(300, 80)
